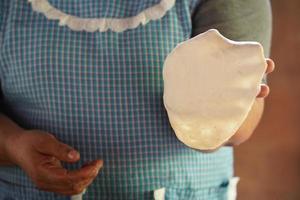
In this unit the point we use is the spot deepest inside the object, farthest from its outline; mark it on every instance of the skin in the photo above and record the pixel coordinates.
(255, 114)
(40, 154)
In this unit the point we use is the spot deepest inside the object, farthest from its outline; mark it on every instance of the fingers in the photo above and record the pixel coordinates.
(54, 173)
(89, 170)
(55, 178)
(51, 175)
(49, 145)
(270, 65)
(264, 91)
(84, 176)
(245, 133)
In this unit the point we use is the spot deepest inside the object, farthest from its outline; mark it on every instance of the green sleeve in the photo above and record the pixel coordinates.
(241, 20)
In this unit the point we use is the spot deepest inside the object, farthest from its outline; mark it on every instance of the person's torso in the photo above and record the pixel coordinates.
(101, 92)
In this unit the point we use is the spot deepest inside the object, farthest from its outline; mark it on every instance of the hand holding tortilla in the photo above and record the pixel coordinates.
(210, 85)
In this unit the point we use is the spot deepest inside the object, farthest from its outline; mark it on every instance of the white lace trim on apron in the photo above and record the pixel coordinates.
(102, 24)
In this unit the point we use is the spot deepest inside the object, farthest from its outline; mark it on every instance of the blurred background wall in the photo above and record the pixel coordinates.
(269, 163)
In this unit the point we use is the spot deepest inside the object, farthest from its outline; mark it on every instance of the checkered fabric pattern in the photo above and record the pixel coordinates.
(102, 94)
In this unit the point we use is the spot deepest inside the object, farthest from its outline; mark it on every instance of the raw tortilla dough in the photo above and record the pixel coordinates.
(210, 84)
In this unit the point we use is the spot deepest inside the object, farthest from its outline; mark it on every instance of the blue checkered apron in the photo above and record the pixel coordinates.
(101, 93)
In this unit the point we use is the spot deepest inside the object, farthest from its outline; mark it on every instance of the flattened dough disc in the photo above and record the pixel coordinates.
(210, 84)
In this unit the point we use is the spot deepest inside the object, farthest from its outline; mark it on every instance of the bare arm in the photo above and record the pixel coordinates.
(40, 155)
(247, 20)
(249, 125)
(8, 129)
(255, 114)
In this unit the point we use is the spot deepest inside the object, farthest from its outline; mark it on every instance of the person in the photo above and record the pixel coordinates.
(81, 85)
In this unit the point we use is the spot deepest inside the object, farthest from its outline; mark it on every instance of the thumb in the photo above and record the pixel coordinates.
(63, 152)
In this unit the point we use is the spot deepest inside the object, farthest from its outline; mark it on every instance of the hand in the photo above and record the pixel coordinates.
(247, 128)
(40, 155)
(264, 89)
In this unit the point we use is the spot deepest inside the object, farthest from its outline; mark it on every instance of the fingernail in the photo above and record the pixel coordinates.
(99, 166)
(96, 170)
(73, 154)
